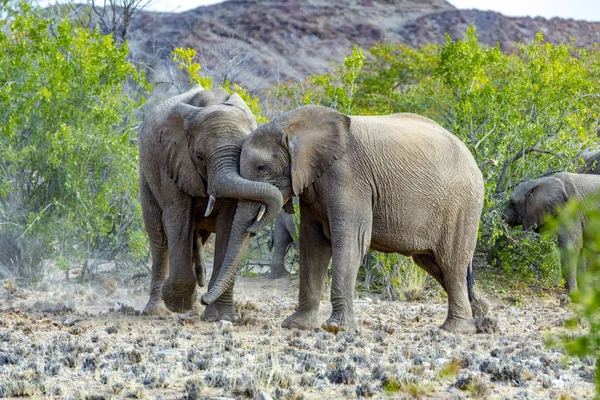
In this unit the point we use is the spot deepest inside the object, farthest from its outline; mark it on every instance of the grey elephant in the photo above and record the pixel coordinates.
(396, 183)
(282, 239)
(189, 154)
(591, 161)
(531, 202)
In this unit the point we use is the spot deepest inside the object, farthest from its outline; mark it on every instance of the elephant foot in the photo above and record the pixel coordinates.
(479, 306)
(339, 322)
(278, 273)
(157, 308)
(218, 312)
(301, 320)
(194, 311)
(459, 326)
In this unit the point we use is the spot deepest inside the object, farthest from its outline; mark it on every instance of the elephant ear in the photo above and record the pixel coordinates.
(174, 139)
(543, 200)
(236, 101)
(315, 137)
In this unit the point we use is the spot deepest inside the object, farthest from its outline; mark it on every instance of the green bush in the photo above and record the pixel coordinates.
(587, 298)
(68, 148)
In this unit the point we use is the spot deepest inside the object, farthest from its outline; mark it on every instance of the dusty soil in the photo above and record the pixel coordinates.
(70, 340)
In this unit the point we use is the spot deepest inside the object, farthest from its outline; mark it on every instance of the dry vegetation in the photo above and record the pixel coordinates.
(73, 340)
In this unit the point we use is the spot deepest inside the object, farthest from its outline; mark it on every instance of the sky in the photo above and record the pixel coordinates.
(576, 9)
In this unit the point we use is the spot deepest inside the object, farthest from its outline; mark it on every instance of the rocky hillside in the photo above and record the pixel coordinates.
(261, 42)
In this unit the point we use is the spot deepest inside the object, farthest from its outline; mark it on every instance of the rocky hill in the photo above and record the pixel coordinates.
(261, 42)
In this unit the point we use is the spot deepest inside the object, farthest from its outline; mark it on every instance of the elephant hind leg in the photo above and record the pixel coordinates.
(454, 282)
(427, 262)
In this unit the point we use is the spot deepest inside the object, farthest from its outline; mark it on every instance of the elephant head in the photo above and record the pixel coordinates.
(289, 153)
(201, 140)
(533, 201)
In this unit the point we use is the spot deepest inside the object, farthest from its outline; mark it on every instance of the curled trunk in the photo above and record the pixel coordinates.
(227, 182)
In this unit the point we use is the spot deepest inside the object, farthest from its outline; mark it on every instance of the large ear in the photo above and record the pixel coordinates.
(175, 142)
(315, 137)
(236, 101)
(542, 200)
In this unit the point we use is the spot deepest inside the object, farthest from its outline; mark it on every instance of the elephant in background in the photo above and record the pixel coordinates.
(395, 183)
(282, 239)
(592, 162)
(189, 153)
(531, 202)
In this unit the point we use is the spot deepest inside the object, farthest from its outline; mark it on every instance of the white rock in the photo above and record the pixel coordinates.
(565, 378)
(167, 353)
(224, 325)
(441, 361)
(262, 395)
(557, 383)
(368, 300)
(453, 390)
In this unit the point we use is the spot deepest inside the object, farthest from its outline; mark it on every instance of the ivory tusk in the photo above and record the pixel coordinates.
(261, 212)
(210, 206)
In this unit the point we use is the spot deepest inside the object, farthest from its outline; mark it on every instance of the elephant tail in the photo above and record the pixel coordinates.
(470, 281)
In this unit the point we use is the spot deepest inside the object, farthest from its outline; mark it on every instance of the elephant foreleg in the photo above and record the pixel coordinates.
(315, 253)
(158, 249)
(570, 250)
(223, 308)
(350, 240)
(179, 290)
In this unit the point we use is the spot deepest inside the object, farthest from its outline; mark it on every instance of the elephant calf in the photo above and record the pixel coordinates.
(533, 201)
(394, 183)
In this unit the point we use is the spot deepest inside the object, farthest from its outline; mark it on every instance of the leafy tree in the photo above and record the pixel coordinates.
(68, 153)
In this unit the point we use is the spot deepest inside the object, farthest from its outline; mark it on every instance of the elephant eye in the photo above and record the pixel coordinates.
(261, 168)
(199, 156)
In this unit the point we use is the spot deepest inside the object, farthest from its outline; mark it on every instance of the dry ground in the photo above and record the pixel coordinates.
(68, 340)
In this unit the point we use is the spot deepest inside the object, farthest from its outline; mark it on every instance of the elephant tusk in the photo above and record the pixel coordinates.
(261, 212)
(210, 206)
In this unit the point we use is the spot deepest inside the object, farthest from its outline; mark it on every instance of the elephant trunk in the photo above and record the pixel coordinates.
(238, 243)
(227, 182)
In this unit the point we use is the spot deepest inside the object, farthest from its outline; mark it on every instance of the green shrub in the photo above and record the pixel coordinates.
(587, 298)
(68, 148)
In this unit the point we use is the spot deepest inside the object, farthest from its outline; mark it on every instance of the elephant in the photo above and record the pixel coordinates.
(282, 239)
(531, 202)
(394, 183)
(189, 185)
(591, 161)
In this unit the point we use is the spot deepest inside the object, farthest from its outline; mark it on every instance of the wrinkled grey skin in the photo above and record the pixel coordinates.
(189, 150)
(533, 201)
(282, 239)
(396, 183)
